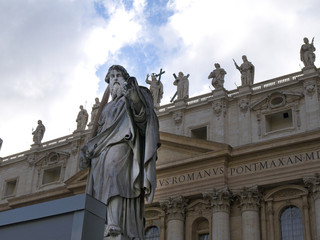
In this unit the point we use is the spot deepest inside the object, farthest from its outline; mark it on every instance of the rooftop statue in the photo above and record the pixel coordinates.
(122, 154)
(217, 76)
(94, 111)
(247, 71)
(182, 83)
(156, 87)
(307, 55)
(82, 119)
(1, 143)
(38, 133)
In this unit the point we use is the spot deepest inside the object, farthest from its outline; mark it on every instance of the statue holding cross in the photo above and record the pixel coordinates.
(182, 83)
(156, 87)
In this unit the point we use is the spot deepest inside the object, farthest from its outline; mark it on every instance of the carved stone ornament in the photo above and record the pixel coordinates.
(219, 199)
(177, 117)
(219, 108)
(198, 207)
(243, 105)
(175, 208)
(52, 158)
(313, 184)
(152, 214)
(276, 100)
(286, 193)
(310, 89)
(249, 198)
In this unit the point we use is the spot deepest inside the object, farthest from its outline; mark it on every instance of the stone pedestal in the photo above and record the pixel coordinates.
(175, 211)
(244, 90)
(80, 217)
(180, 103)
(250, 203)
(220, 202)
(309, 70)
(218, 93)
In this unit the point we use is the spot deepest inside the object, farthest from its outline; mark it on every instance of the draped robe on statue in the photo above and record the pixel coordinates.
(123, 156)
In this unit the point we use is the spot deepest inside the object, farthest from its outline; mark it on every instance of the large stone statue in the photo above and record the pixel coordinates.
(1, 143)
(247, 71)
(182, 83)
(38, 133)
(82, 119)
(94, 111)
(307, 54)
(156, 88)
(122, 154)
(217, 76)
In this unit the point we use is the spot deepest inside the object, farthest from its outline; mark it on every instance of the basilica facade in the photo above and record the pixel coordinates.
(240, 164)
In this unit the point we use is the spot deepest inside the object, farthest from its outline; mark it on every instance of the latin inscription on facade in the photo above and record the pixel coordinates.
(254, 167)
(190, 177)
(271, 164)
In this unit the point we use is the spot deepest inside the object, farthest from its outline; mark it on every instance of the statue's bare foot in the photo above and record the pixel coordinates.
(112, 230)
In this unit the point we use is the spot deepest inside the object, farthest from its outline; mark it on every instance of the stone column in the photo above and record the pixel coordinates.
(175, 212)
(220, 202)
(250, 203)
(313, 183)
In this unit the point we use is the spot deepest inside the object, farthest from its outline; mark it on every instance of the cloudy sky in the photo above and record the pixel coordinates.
(54, 54)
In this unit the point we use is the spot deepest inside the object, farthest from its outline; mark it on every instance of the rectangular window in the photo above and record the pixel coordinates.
(10, 188)
(204, 236)
(200, 133)
(278, 121)
(51, 175)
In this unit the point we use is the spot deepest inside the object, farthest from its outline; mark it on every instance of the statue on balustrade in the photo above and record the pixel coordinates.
(82, 119)
(156, 88)
(122, 153)
(217, 76)
(247, 71)
(307, 55)
(94, 111)
(182, 83)
(38, 133)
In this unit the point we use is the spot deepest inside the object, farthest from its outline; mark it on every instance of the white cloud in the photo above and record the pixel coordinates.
(50, 53)
(268, 32)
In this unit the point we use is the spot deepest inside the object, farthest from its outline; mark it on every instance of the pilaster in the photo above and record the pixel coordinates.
(313, 184)
(220, 203)
(175, 213)
(250, 204)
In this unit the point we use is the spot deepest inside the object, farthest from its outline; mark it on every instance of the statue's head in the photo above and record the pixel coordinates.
(117, 77)
(217, 65)
(306, 40)
(180, 74)
(81, 107)
(39, 121)
(153, 77)
(244, 58)
(118, 68)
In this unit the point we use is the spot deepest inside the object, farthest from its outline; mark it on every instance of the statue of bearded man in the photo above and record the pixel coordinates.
(122, 154)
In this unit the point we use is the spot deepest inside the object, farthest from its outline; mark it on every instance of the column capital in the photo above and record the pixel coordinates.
(249, 198)
(219, 199)
(313, 184)
(174, 207)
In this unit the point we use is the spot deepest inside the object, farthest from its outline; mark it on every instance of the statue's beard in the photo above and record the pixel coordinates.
(116, 90)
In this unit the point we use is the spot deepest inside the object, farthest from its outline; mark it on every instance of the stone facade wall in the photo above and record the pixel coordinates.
(229, 164)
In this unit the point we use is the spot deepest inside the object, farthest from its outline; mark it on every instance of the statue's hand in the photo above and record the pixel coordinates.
(85, 162)
(131, 92)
